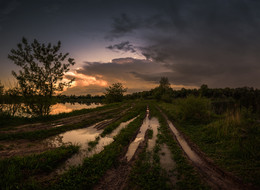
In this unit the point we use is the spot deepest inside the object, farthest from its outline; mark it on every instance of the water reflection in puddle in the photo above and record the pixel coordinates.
(69, 107)
(20, 109)
(187, 149)
(166, 160)
(139, 138)
(167, 163)
(82, 137)
(154, 124)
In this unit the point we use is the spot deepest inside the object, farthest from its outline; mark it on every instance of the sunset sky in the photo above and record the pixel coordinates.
(192, 42)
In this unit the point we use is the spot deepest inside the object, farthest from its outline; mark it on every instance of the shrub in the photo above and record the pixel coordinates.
(195, 109)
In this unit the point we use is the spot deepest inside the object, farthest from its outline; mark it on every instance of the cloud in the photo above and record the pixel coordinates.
(122, 25)
(83, 90)
(82, 80)
(123, 46)
(135, 74)
(6, 8)
(123, 70)
(213, 42)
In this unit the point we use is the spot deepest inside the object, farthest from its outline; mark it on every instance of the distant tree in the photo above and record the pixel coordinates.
(204, 90)
(164, 91)
(115, 93)
(164, 82)
(42, 68)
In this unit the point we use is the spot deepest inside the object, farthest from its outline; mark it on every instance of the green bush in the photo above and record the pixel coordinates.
(195, 109)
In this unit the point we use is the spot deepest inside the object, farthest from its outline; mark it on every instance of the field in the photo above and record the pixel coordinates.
(133, 145)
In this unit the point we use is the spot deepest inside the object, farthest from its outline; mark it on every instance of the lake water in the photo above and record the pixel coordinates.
(19, 109)
(68, 107)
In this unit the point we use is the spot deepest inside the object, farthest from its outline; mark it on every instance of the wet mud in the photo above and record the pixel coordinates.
(65, 121)
(167, 163)
(214, 176)
(153, 125)
(82, 137)
(139, 138)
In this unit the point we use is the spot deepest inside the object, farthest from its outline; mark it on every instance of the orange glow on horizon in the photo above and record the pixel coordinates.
(82, 80)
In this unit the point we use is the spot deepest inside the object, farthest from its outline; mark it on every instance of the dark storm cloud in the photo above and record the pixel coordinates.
(124, 70)
(7, 7)
(123, 46)
(122, 25)
(120, 68)
(214, 42)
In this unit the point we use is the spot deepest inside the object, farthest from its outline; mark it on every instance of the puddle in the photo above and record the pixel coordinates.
(139, 138)
(154, 124)
(167, 163)
(215, 178)
(104, 141)
(187, 149)
(166, 160)
(82, 137)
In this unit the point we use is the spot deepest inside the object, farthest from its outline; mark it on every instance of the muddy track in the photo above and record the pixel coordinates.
(25, 147)
(108, 122)
(64, 121)
(117, 178)
(212, 174)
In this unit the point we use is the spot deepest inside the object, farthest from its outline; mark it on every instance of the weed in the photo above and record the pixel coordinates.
(93, 168)
(16, 171)
(186, 175)
(231, 140)
(150, 133)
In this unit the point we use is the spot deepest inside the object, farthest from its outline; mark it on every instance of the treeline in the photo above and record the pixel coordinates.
(222, 98)
(80, 99)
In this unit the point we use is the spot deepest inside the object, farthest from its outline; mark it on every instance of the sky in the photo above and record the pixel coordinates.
(192, 42)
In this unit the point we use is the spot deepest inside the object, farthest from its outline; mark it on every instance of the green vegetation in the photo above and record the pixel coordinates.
(231, 139)
(41, 134)
(93, 168)
(150, 133)
(92, 144)
(115, 93)
(41, 75)
(187, 177)
(9, 122)
(148, 174)
(20, 172)
(131, 114)
(224, 123)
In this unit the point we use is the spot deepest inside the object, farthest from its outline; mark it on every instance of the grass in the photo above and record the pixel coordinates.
(109, 129)
(92, 144)
(150, 133)
(93, 168)
(187, 177)
(41, 134)
(231, 140)
(18, 172)
(8, 122)
(147, 172)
